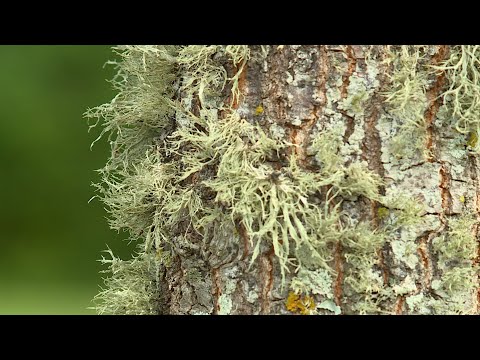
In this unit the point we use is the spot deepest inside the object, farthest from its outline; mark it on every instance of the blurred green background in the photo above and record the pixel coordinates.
(50, 236)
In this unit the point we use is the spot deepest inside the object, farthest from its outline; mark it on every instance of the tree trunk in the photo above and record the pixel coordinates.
(318, 180)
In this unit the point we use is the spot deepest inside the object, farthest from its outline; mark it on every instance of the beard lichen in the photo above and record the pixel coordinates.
(183, 161)
(131, 288)
(457, 251)
(144, 186)
(406, 99)
(462, 70)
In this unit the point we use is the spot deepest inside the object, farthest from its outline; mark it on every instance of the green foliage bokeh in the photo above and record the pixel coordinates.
(50, 235)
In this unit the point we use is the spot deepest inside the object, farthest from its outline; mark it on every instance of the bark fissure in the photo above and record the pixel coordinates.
(246, 241)
(338, 287)
(274, 87)
(372, 144)
(216, 290)
(399, 305)
(434, 102)
(299, 138)
(425, 257)
(372, 153)
(382, 257)
(352, 65)
(300, 135)
(445, 184)
(267, 275)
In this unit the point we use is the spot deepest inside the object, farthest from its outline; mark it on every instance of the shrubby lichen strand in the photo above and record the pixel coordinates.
(407, 101)
(145, 83)
(457, 250)
(462, 69)
(143, 186)
(131, 288)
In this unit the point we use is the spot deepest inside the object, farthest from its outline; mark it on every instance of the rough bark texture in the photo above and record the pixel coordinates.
(296, 93)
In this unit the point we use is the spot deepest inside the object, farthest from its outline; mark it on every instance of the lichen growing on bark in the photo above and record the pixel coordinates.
(131, 288)
(406, 99)
(462, 69)
(457, 251)
(192, 179)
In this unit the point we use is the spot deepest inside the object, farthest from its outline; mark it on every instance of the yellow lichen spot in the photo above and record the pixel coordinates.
(300, 304)
(462, 199)
(259, 110)
(472, 139)
(382, 212)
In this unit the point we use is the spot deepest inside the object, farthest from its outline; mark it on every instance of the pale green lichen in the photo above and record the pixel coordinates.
(357, 96)
(456, 251)
(224, 304)
(145, 84)
(462, 70)
(142, 185)
(405, 287)
(225, 301)
(271, 204)
(405, 250)
(203, 77)
(406, 94)
(252, 296)
(325, 147)
(195, 164)
(407, 100)
(277, 132)
(360, 241)
(330, 306)
(362, 245)
(317, 282)
(460, 242)
(404, 211)
(454, 290)
(414, 302)
(131, 288)
(350, 180)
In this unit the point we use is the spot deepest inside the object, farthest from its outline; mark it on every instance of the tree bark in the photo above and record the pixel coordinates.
(296, 93)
